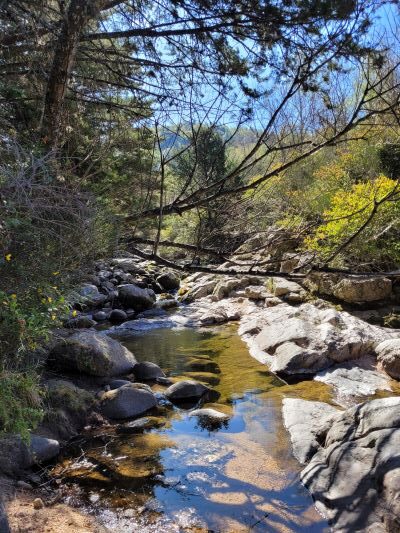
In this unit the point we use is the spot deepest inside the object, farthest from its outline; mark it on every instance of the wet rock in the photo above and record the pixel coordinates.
(168, 281)
(100, 316)
(42, 449)
(166, 304)
(117, 316)
(140, 425)
(152, 313)
(117, 383)
(148, 371)
(138, 299)
(92, 353)
(127, 402)
(164, 381)
(306, 422)
(354, 477)
(186, 389)
(388, 353)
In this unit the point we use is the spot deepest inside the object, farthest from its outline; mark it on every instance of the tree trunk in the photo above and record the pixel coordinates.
(79, 13)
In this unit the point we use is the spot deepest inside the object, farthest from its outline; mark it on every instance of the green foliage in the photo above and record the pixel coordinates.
(20, 403)
(348, 213)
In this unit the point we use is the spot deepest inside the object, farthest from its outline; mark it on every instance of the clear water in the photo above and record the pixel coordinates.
(187, 476)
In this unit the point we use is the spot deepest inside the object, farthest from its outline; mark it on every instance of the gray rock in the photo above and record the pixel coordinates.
(80, 322)
(117, 383)
(354, 379)
(186, 389)
(212, 414)
(100, 316)
(351, 289)
(388, 353)
(354, 477)
(141, 424)
(363, 290)
(91, 296)
(117, 316)
(147, 371)
(168, 281)
(92, 353)
(305, 421)
(138, 299)
(311, 338)
(282, 287)
(127, 401)
(42, 449)
(4, 525)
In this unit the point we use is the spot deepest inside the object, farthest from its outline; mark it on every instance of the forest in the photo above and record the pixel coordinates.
(177, 131)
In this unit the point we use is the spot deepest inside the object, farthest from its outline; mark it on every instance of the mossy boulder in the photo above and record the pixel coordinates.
(92, 353)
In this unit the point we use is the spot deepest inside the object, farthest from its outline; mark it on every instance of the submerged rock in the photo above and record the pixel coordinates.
(140, 425)
(127, 401)
(354, 476)
(92, 353)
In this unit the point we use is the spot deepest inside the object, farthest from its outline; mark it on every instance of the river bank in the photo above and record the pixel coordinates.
(298, 338)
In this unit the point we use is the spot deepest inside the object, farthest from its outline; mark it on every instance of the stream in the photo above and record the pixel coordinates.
(186, 474)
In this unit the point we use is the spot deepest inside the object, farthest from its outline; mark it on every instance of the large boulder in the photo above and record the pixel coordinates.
(168, 281)
(354, 290)
(184, 390)
(136, 298)
(91, 353)
(17, 455)
(350, 289)
(354, 477)
(388, 353)
(310, 338)
(127, 401)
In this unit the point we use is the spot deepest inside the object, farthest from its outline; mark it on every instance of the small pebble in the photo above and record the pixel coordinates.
(38, 503)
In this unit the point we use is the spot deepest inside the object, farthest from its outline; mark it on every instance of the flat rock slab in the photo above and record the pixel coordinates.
(354, 476)
(305, 421)
(354, 379)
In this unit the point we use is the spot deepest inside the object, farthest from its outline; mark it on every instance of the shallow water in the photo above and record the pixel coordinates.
(190, 476)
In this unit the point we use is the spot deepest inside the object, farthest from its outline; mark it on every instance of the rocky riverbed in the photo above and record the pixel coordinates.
(95, 380)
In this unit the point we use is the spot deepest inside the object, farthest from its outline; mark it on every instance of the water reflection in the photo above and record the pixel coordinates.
(194, 473)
